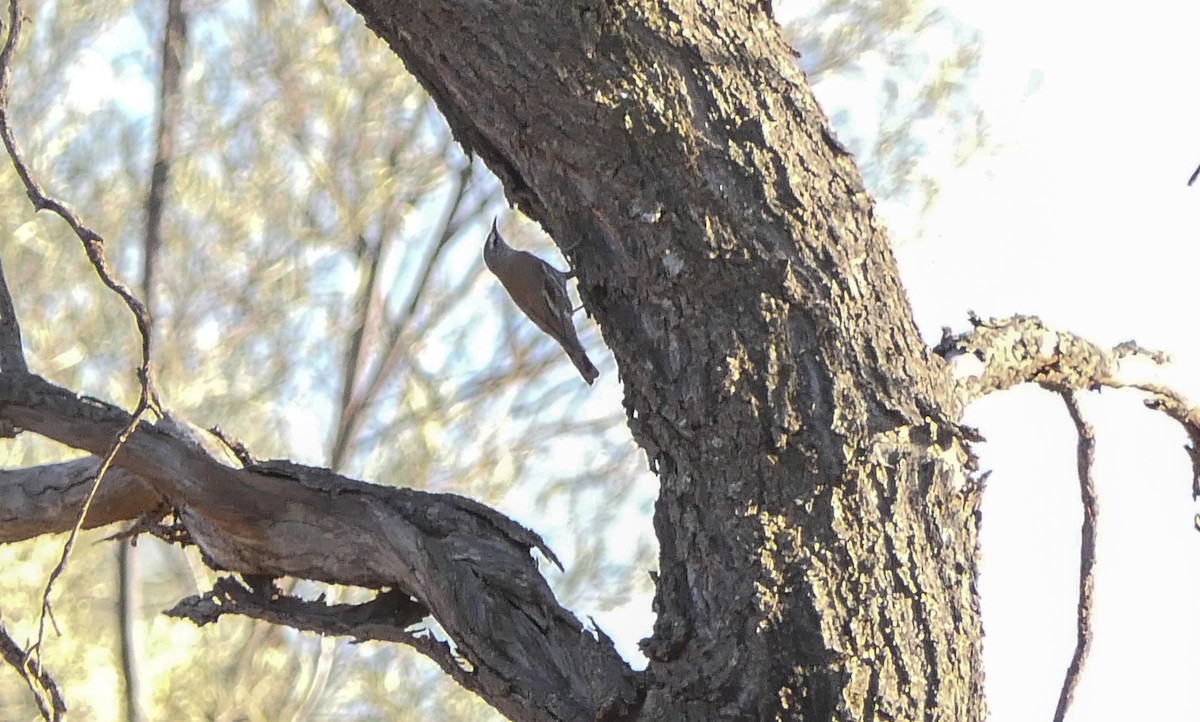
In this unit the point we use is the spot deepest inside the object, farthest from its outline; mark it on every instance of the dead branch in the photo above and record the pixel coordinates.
(997, 354)
(385, 618)
(389, 617)
(1085, 461)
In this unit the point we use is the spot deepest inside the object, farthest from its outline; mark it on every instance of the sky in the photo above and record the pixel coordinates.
(1081, 215)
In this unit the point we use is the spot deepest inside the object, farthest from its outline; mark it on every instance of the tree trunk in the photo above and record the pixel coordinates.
(817, 519)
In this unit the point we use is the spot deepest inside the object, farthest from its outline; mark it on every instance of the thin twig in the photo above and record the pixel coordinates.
(365, 308)
(1085, 459)
(393, 350)
(70, 545)
(93, 245)
(40, 683)
(236, 447)
(170, 108)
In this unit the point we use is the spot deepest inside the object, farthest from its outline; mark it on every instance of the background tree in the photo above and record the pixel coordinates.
(286, 311)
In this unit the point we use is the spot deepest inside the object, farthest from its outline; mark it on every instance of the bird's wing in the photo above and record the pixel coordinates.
(554, 290)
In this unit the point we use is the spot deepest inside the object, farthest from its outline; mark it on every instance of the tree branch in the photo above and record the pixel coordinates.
(46, 499)
(468, 565)
(170, 108)
(383, 619)
(1086, 457)
(40, 683)
(170, 102)
(998, 354)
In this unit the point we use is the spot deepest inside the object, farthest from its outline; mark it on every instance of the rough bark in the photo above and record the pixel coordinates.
(817, 521)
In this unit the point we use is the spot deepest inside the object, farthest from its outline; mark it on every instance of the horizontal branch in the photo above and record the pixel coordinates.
(469, 566)
(997, 354)
(46, 499)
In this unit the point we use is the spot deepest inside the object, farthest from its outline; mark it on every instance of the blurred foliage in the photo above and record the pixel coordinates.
(319, 297)
(895, 80)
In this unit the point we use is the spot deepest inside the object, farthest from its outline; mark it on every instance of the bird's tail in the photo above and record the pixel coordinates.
(587, 369)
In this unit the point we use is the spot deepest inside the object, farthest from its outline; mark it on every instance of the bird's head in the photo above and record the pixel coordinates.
(494, 247)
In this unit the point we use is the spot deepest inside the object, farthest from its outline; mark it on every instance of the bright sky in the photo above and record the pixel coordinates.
(1083, 217)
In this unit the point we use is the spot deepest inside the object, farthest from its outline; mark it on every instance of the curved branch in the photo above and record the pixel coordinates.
(462, 562)
(1173, 404)
(93, 243)
(998, 354)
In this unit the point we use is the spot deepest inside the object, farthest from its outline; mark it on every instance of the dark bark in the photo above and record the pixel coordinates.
(12, 355)
(467, 566)
(817, 521)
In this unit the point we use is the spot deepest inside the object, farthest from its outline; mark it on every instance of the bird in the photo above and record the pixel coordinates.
(540, 291)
